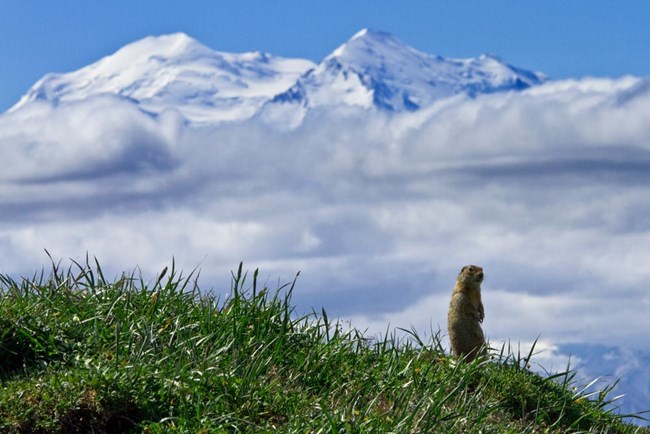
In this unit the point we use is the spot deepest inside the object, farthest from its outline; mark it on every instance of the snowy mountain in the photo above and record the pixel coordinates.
(372, 71)
(176, 71)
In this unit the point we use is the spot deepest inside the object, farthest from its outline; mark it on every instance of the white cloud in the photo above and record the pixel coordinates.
(547, 189)
(99, 136)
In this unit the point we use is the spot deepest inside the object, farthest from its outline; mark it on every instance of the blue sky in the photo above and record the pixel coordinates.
(558, 37)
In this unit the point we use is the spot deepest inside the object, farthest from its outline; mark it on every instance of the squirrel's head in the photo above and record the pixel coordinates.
(471, 274)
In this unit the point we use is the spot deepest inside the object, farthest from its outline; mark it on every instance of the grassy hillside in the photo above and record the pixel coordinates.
(79, 353)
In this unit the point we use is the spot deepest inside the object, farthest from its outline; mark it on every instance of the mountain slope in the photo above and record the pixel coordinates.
(175, 71)
(247, 364)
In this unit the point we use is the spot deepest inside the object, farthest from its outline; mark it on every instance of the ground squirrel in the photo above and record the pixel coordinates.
(466, 314)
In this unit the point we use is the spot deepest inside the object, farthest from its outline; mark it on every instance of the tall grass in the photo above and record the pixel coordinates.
(80, 353)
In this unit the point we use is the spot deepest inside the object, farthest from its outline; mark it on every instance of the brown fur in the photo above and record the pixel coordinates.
(466, 314)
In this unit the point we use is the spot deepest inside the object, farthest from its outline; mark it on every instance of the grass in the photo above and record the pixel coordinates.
(80, 354)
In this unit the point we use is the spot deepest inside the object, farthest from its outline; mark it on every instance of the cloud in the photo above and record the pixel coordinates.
(96, 138)
(548, 189)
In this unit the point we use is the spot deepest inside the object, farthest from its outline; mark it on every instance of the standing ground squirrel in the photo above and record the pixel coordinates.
(466, 314)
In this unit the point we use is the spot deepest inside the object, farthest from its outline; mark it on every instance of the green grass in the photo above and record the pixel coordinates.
(79, 354)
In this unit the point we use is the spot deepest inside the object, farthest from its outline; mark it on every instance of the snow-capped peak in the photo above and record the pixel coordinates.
(175, 45)
(374, 70)
(373, 49)
(176, 71)
(365, 31)
(365, 40)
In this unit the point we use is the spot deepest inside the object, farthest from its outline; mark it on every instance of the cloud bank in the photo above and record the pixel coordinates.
(547, 189)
